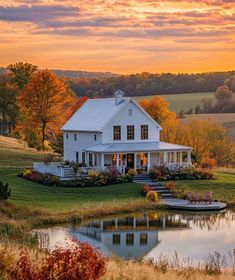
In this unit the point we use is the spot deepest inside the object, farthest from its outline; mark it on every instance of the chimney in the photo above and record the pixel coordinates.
(118, 97)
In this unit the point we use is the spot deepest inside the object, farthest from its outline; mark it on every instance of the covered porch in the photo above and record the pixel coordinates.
(123, 157)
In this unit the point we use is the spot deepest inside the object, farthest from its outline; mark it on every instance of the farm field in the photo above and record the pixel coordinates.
(182, 101)
(227, 120)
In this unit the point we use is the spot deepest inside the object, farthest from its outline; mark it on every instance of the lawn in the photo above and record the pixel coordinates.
(31, 194)
(182, 101)
(223, 186)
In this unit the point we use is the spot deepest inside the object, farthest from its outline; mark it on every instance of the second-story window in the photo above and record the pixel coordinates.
(75, 137)
(144, 132)
(95, 137)
(130, 132)
(117, 132)
(67, 136)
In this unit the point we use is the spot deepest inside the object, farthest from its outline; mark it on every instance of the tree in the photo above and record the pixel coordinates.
(207, 105)
(8, 109)
(21, 73)
(45, 103)
(223, 93)
(157, 108)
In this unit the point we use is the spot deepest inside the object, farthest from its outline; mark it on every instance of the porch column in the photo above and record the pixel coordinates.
(165, 158)
(134, 223)
(117, 161)
(175, 157)
(87, 159)
(102, 161)
(189, 157)
(135, 160)
(181, 158)
(148, 162)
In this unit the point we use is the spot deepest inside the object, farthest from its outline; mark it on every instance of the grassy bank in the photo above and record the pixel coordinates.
(223, 186)
(27, 193)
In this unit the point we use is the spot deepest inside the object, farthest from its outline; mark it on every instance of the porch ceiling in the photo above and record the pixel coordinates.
(136, 147)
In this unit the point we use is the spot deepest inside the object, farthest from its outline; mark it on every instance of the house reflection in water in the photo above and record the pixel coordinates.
(126, 237)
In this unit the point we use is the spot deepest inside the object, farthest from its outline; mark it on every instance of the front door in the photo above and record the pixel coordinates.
(130, 161)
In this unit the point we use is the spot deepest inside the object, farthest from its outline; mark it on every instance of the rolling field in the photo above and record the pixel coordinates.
(227, 120)
(184, 101)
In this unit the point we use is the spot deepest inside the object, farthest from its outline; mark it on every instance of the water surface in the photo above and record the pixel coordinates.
(152, 234)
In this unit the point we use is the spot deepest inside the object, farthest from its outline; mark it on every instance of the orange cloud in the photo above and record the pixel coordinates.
(120, 36)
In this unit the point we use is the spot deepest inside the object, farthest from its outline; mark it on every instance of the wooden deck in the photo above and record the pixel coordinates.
(182, 204)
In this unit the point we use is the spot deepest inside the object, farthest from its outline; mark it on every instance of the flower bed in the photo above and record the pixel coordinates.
(93, 178)
(163, 173)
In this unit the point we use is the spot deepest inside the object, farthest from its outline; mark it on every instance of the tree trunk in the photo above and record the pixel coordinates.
(43, 135)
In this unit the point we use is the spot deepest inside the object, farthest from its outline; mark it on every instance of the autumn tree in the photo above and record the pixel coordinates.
(45, 103)
(21, 73)
(8, 110)
(157, 108)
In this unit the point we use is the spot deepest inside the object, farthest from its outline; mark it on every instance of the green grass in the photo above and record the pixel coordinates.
(32, 194)
(182, 101)
(20, 158)
(223, 187)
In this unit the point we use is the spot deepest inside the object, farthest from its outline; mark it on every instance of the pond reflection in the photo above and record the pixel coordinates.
(150, 235)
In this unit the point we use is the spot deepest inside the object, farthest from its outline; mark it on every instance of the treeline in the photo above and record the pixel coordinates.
(150, 84)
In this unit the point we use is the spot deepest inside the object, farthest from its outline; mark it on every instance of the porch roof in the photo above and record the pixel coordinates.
(136, 147)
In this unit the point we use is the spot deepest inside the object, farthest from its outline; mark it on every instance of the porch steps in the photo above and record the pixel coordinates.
(160, 189)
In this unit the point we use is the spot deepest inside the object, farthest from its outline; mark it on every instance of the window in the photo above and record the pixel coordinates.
(83, 157)
(67, 136)
(90, 160)
(75, 137)
(130, 132)
(95, 137)
(116, 239)
(130, 112)
(77, 157)
(143, 239)
(117, 132)
(144, 132)
(130, 239)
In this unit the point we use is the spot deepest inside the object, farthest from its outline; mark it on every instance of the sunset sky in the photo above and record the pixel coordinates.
(119, 36)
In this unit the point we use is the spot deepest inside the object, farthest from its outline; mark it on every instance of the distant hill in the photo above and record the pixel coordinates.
(73, 74)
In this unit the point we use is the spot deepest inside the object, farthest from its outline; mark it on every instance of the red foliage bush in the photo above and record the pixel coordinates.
(146, 189)
(171, 185)
(78, 261)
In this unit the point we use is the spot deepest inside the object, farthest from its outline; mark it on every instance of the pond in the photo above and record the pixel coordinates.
(152, 234)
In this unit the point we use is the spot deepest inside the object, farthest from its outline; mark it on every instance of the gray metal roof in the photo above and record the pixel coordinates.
(94, 114)
(137, 147)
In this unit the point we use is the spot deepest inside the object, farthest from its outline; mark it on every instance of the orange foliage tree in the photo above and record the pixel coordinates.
(45, 103)
(157, 108)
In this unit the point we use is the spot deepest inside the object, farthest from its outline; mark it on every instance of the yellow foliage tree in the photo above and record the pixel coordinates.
(44, 103)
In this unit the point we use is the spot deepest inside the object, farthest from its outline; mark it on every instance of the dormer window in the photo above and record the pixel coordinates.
(117, 132)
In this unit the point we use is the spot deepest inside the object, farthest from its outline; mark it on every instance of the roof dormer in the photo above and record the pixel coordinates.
(118, 95)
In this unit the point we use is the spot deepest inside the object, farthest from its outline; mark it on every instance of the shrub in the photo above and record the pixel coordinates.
(27, 172)
(208, 163)
(93, 173)
(152, 196)
(132, 172)
(146, 189)
(155, 173)
(77, 261)
(171, 185)
(5, 192)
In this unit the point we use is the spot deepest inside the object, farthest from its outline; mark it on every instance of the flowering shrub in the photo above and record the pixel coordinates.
(208, 163)
(184, 173)
(78, 261)
(152, 196)
(170, 186)
(45, 179)
(132, 172)
(93, 173)
(146, 189)
(27, 172)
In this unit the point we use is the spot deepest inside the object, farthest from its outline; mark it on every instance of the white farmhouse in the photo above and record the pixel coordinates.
(117, 133)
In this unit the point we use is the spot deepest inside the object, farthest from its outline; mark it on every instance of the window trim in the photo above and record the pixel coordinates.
(117, 136)
(130, 135)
